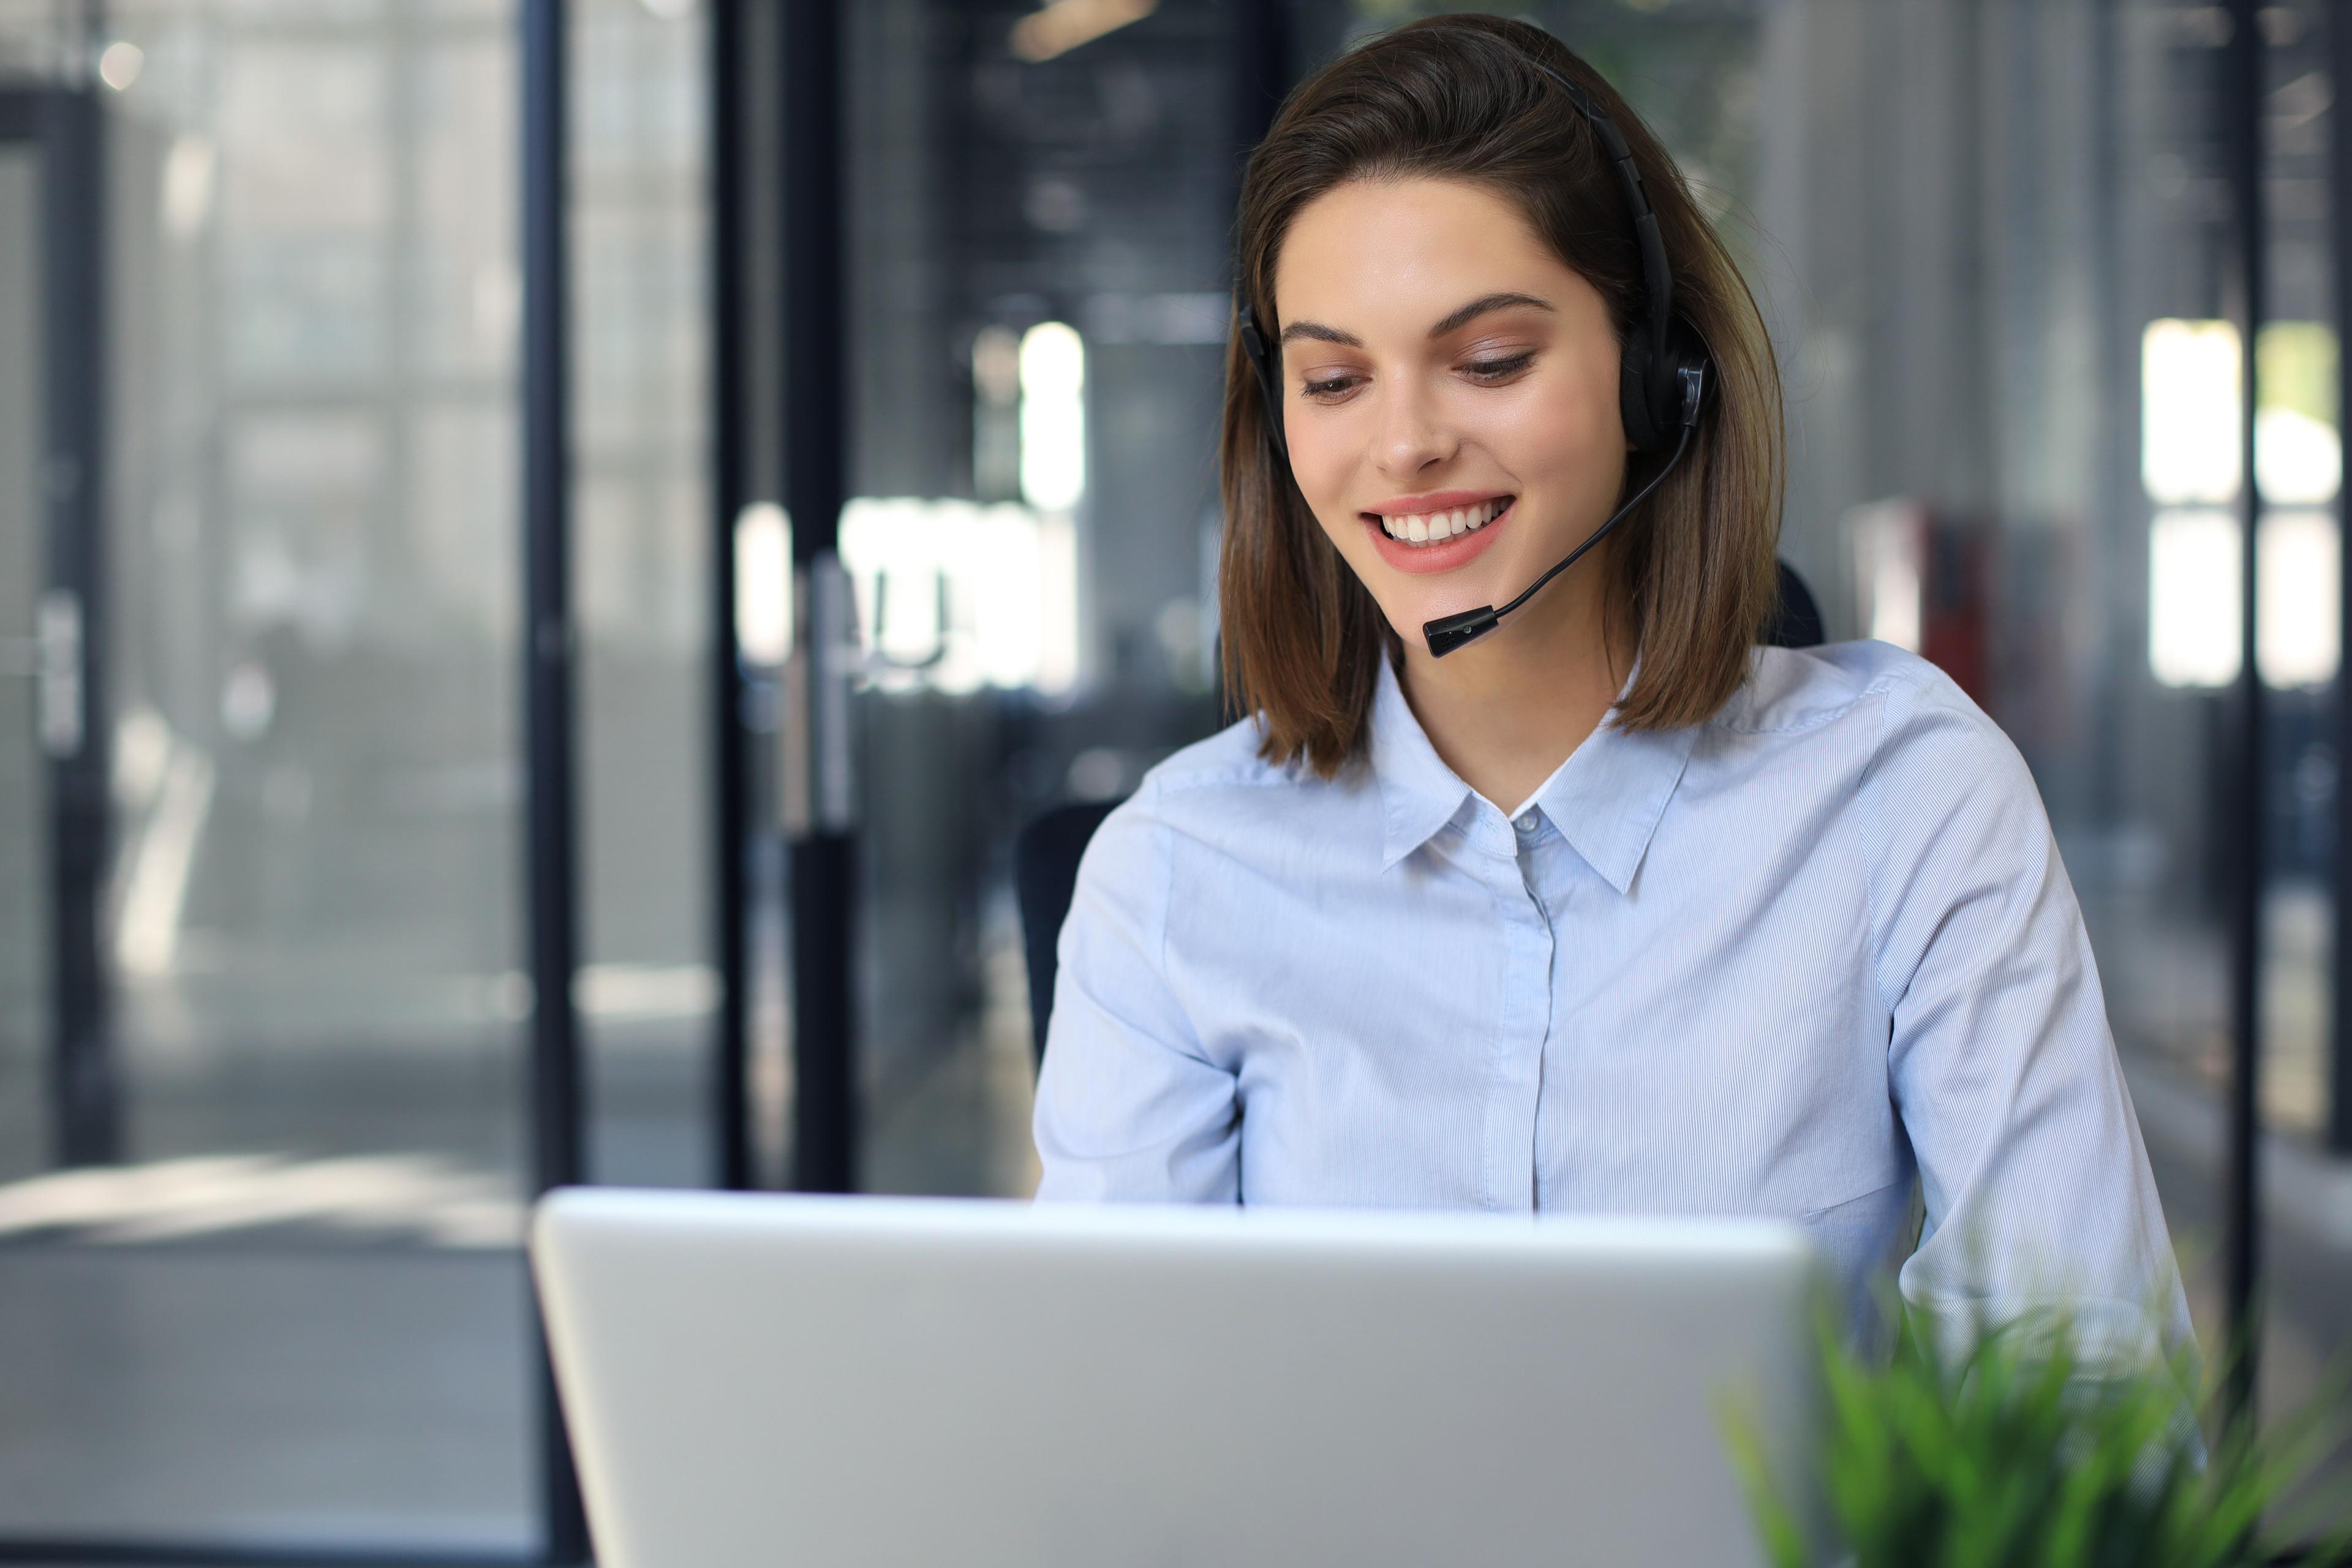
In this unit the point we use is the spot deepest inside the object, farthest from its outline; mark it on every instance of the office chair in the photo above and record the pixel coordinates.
(1046, 854)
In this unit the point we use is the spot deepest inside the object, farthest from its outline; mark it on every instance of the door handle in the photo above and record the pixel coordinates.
(56, 671)
(818, 791)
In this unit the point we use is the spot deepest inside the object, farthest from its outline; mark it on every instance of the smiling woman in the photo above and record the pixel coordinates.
(1444, 247)
(1766, 931)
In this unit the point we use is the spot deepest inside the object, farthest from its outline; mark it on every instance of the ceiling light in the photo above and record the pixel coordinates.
(1063, 24)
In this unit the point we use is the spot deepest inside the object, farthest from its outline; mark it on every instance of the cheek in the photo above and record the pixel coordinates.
(1557, 431)
(1325, 466)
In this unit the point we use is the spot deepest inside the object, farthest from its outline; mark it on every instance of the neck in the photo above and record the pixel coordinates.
(1507, 710)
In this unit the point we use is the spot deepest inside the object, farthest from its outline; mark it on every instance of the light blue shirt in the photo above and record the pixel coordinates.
(1805, 959)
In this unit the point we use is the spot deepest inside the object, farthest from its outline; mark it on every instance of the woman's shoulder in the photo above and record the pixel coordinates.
(1921, 758)
(1898, 723)
(1225, 769)
(1226, 760)
(1791, 689)
(1221, 791)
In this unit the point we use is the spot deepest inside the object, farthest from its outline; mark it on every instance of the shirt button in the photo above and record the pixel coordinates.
(1527, 822)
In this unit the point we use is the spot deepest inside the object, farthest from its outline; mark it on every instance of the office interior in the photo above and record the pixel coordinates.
(637, 501)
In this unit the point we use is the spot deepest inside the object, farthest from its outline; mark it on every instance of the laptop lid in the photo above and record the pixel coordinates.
(795, 1379)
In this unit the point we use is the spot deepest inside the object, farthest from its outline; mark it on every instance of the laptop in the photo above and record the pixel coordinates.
(970, 1383)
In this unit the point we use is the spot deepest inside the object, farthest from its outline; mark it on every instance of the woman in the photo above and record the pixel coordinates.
(1608, 908)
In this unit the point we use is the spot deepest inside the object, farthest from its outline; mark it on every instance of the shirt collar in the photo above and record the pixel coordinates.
(1606, 799)
(1419, 794)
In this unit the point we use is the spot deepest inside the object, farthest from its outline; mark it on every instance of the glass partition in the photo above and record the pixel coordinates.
(1038, 269)
(641, 562)
(295, 1316)
(2000, 242)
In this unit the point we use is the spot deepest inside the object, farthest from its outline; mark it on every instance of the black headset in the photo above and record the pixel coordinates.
(1659, 387)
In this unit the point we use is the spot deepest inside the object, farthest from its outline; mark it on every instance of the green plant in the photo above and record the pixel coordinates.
(2009, 1450)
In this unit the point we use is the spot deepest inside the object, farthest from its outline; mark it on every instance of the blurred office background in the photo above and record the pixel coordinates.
(273, 1096)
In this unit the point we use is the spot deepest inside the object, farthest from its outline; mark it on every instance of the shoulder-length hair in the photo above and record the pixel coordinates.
(1455, 97)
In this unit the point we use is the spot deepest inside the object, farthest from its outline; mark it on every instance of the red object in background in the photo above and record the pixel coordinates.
(1924, 582)
(1956, 607)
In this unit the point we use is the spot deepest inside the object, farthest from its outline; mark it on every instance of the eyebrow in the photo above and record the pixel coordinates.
(1453, 320)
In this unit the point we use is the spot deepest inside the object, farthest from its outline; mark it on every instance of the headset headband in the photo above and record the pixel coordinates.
(1657, 277)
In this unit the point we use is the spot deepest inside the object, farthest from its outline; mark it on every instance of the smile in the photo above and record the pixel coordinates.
(1439, 539)
(1427, 527)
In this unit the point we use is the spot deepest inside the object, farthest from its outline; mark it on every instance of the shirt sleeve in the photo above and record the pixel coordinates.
(2036, 1183)
(1129, 1106)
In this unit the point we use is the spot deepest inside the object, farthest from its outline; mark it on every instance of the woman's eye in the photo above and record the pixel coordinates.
(1496, 369)
(1486, 370)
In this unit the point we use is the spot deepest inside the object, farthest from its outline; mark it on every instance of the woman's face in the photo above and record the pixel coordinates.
(1449, 394)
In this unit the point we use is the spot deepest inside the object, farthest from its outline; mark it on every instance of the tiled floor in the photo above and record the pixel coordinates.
(289, 1391)
(294, 1353)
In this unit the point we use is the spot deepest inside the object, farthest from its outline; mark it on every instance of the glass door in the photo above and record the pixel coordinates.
(254, 359)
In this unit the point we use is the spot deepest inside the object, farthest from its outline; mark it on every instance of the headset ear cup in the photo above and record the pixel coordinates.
(1684, 353)
(1650, 391)
(1635, 389)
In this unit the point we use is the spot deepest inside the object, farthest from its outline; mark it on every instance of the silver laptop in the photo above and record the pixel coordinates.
(958, 1383)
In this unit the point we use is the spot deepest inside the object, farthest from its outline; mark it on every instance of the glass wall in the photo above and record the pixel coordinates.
(640, 529)
(1999, 274)
(1038, 266)
(296, 1314)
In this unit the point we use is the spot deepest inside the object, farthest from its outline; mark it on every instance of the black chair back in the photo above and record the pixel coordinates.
(1046, 854)
(1044, 876)
(1796, 619)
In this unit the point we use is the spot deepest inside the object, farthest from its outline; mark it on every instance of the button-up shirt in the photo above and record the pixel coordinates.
(1816, 959)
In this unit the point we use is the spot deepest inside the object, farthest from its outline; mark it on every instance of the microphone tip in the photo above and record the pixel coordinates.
(1449, 632)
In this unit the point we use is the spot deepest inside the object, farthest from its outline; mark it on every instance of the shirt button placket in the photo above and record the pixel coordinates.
(1539, 993)
(1527, 1019)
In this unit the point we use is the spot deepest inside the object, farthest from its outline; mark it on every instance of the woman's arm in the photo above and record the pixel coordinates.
(1129, 1107)
(2001, 1064)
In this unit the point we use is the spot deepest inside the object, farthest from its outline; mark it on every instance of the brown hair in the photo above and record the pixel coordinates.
(1455, 97)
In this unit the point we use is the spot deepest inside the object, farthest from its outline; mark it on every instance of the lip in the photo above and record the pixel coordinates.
(1434, 500)
(1422, 560)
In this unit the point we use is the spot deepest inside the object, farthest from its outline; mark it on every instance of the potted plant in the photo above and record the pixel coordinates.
(2006, 1450)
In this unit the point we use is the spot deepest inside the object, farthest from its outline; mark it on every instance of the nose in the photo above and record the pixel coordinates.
(1413, 436)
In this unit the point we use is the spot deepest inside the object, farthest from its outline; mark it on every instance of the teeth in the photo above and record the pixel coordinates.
(1436, 527)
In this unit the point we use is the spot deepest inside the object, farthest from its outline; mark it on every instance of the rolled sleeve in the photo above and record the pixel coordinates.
(1129, 1107)
(2036, 1181)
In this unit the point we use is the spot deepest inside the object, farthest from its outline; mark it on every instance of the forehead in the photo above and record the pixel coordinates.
(1375, 251)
